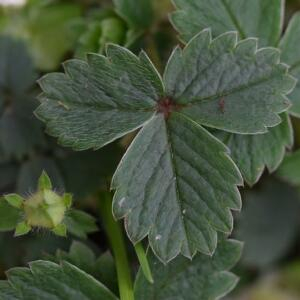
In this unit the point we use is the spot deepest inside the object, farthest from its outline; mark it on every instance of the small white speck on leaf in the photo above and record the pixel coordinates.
(158, 237)
(121, 202)
(184, 212)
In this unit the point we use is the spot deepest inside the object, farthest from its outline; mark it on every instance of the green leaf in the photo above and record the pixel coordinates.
(203, 278)
(20, 132)
(183, 214)
(16, 68)
(252, 153)
(44, 182)
(254, 18)
(226, 84)
(80, 223)
(9, 216)
(268, 224)
(45, 280)
(14, 200)
(121, 87)
(138, 14)
(289, 169)
(22, 229)
(48, 34)
(176, 182)
(81, 256)
(290, 45)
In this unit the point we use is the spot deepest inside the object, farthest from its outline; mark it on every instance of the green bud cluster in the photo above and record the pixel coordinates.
(43, 209)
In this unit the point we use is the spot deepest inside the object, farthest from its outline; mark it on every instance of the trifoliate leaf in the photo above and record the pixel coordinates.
(289, 169)
(176, 182)
(290, 45)
(80, 223)
(252, 153)
(205, 278)
(269, 223)
(45, 280)
(255, 18)
(138, 14)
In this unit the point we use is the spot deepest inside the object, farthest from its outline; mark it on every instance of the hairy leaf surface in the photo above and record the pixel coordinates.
(176, 182)
(229, 85)
(182, 279)
(98, 101)
(262, 19)
(47, 280)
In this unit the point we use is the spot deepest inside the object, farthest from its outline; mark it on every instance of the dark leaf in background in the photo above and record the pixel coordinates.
(269, 223)
(182, 279)
(80, 223)
(290, 168)
(86, 172)
(83, 257)
(31, 170)
(20, 131)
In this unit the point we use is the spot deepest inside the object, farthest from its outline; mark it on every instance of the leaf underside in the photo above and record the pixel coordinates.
(182, 279)
(182, 183)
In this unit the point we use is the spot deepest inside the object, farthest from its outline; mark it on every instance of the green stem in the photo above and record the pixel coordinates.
(140, 252)
(115, 235)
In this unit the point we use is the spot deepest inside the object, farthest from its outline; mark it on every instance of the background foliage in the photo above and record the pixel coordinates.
(36, 39)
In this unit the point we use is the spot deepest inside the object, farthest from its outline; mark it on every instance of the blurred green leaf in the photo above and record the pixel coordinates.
(80, 255)
(138, 14)
(290, 168)
(269, 223)
(255, 18)
(290, 45)
(182, 279)
(9, 216)
(31, 170)
(80, 223)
